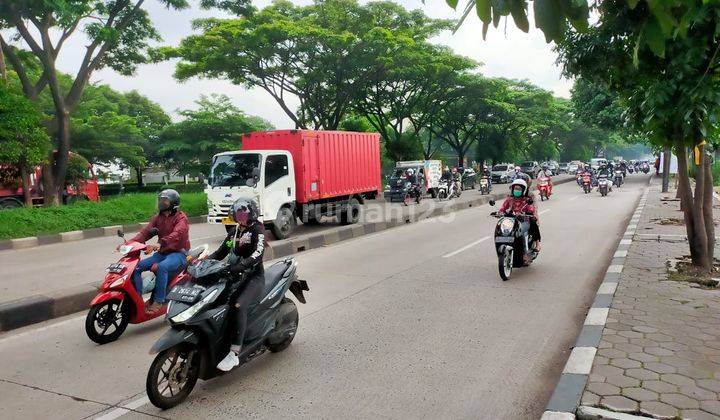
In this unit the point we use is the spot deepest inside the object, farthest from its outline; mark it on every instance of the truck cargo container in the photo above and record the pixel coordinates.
(297, 174)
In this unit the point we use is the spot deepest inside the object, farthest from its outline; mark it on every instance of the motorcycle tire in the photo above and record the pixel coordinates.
(417, 199)
(441, 195)
(287, 325)
(170, 375)
(505, 264)
(98, 317)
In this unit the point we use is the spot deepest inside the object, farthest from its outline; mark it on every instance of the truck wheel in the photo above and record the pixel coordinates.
(10, 203)
(284, 223)
(351, 213)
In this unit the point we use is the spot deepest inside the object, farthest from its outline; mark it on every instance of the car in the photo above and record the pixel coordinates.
(552, 166)
(563, 167)
(595, 163)
(502, 173)
(572, 167)
(531, 168)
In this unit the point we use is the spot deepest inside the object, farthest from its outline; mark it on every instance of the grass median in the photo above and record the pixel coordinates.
(126, 209)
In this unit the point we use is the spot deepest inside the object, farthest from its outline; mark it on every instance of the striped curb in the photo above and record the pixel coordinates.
(77, 235)
(565, 399)
(42, 307)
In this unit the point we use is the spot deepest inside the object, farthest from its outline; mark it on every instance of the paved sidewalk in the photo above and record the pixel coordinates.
(660, 350)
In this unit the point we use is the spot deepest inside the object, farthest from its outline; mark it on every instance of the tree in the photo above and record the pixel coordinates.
(23, 140)
(119, 32)
(312, 54)
(217, 126)
(669, 84)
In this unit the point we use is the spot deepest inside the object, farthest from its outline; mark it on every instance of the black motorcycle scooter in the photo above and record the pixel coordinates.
(198, 316)
(509, 239)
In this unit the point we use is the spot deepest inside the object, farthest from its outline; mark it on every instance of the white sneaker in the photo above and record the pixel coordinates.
(229, 362)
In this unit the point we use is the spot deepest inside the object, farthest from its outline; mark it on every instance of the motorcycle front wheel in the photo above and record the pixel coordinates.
(505, 264)
(173, 375)
(107, 321)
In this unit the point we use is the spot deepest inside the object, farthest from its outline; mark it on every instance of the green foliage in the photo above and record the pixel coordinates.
(23, 139)
(129, 208)
(77, 169)
(217, 126)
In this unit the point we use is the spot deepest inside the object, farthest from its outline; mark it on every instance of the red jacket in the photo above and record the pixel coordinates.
(173, 232)
(518, 205)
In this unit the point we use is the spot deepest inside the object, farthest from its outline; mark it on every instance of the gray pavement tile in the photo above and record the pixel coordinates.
(619, 403)
(658, 409)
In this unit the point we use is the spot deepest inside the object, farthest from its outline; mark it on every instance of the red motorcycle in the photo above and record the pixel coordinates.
(117, 304)
(544, 188)
(586, 183)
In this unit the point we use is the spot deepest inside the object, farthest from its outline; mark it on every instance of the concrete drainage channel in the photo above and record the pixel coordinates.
(563, 404)
(39, 308)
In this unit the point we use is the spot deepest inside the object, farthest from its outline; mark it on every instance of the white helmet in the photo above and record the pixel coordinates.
(518, 169)
(410, 171)
(520, 182)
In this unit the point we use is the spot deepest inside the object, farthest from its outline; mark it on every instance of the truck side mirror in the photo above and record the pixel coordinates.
(251, 183)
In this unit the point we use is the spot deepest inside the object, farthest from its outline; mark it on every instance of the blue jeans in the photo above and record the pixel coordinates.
(167, 264)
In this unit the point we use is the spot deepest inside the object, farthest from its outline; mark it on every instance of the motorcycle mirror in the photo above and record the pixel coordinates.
(120, 233)
(530, 201)
(491, 202)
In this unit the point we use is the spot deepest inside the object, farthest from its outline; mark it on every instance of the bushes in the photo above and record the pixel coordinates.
(125, 209)
(114, 189)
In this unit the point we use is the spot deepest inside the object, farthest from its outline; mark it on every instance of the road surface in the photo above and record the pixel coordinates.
(412, 322)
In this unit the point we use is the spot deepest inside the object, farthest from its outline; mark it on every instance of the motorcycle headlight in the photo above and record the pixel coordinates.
(191, 311)
(506, 226)
(118, 281)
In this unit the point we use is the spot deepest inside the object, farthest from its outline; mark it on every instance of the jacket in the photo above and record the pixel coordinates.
(173, 232)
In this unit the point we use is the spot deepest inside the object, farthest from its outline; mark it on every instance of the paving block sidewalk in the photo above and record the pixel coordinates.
(659, 355)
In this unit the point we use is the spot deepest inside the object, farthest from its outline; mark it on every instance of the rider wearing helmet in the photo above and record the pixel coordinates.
(172, 229)
(245, 245)
(519, 174)
(545, 172)
(519, 202)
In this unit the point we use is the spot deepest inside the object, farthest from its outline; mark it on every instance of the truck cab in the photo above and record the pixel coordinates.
(267, 176)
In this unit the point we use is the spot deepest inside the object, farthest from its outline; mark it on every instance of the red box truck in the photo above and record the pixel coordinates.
(297, 174)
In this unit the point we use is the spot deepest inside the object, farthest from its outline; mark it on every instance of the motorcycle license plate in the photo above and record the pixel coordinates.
(184, 294)
(504, 239)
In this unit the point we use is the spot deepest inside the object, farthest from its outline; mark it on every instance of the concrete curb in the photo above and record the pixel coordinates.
(565, 399)
(77, 235)
(38, 308)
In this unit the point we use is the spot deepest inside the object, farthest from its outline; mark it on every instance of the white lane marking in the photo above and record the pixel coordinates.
(202, 238)
(41, 329)
(543, 212)
(580, 360)
(557, 415)
(121, 411)
(615, 268)
(466, 247)
(607, 288)
(597, 316)
(574, 198)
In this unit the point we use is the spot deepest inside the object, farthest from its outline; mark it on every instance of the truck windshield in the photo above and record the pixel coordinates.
(233, 170)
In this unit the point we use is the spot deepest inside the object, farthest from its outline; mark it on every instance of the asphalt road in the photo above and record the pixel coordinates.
(412, 322)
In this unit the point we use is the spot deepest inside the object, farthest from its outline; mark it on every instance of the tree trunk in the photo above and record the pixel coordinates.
(3, 67)
(139, 174)
(707, 208)
(693, 211)
(24, 175)
(61, 158)
(667, 154)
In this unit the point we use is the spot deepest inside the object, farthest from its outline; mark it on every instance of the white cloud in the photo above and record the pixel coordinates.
(506, 52)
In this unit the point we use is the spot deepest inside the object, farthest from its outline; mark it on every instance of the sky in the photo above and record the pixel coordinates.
(507, 52)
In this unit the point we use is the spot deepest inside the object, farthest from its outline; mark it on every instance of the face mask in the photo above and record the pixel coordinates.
(517, 193)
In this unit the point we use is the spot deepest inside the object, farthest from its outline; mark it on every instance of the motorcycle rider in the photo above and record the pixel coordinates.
(546, 173)
(245, 245)
(519, 174)
(457, 178)
(172, 229)
(416, 180)
(487, 174)
(516, 203)
(604, 170)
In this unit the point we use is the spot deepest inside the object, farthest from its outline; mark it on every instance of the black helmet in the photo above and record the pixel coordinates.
(244, 211)
(168, 200)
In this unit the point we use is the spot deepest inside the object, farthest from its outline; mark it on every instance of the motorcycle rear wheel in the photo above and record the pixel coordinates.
(176, 378)
(505, 264)
(286, 328)
(111, 314)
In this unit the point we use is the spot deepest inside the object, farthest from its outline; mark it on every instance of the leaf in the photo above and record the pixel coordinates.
(485, 30)
(518, 9)
(483, 9)
(466, 12)
(452, 3)
(655, 38)
(549, 19)
(632, 3)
